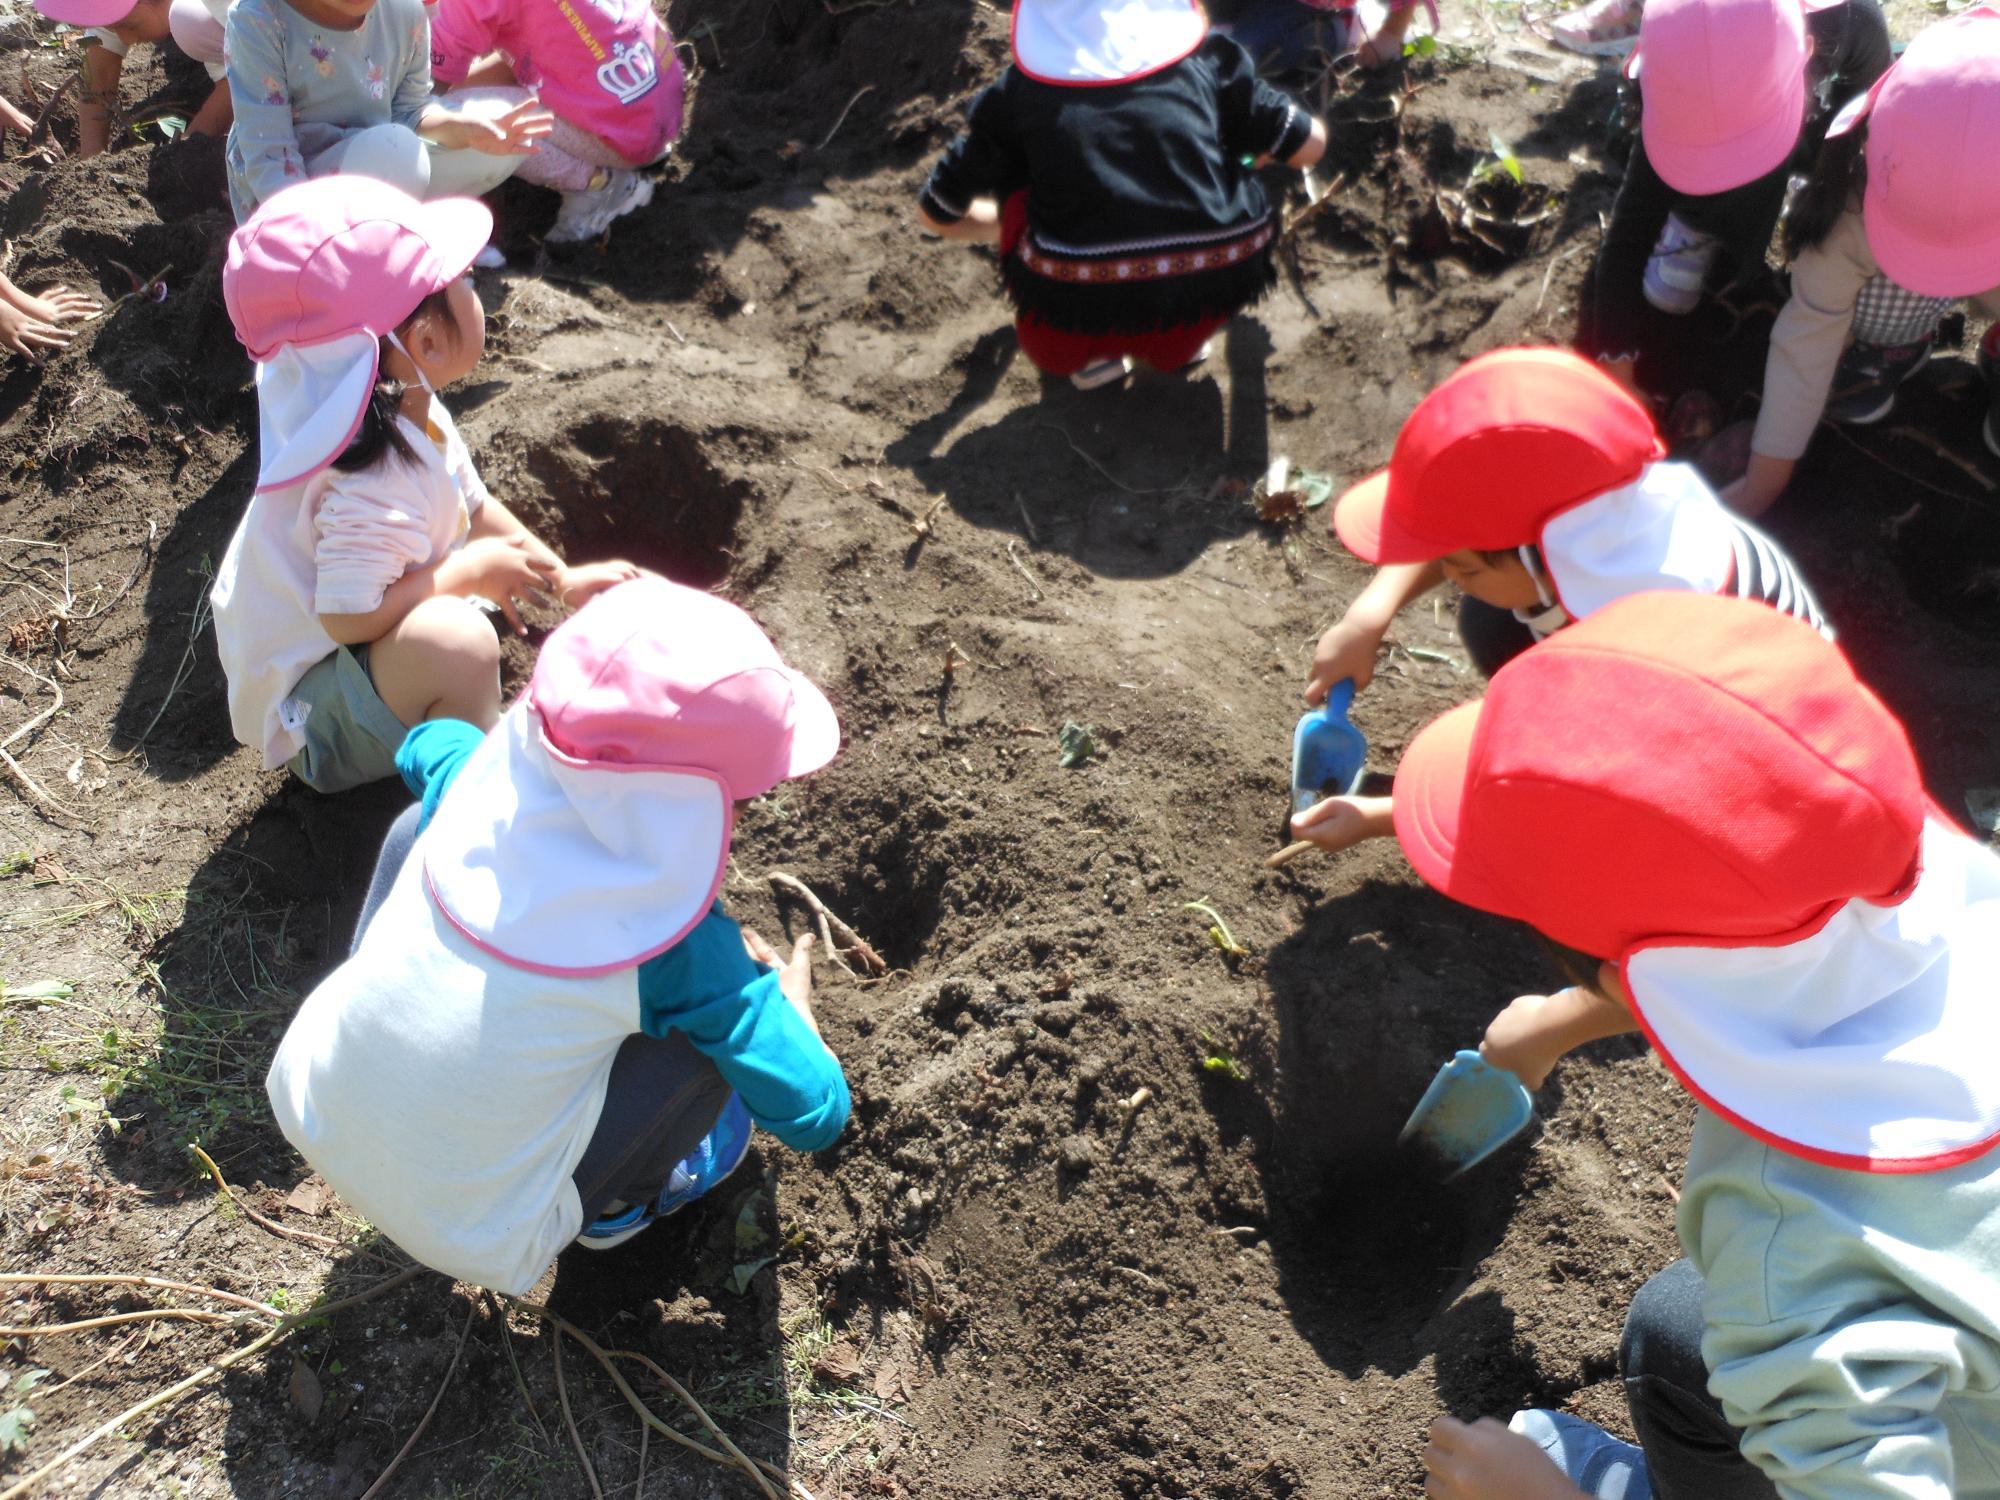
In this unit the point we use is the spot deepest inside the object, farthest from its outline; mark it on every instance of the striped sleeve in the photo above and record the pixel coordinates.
(1763, 572)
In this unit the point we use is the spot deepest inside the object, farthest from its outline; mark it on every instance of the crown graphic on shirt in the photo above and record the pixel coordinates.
(630, 72)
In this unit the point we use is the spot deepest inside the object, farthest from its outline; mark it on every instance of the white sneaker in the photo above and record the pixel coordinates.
(1101, 372)
(1677, 270)
(586, 215)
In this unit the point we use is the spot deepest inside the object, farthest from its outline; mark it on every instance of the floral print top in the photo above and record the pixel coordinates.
(300, 88)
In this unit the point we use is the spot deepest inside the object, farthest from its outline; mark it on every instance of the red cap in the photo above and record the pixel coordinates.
(1686, 767)
(1507, 442)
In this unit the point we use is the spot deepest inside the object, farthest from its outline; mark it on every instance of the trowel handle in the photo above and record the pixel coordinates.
(1340, 698)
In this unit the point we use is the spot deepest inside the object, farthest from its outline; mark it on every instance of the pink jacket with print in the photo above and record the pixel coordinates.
(605, 66)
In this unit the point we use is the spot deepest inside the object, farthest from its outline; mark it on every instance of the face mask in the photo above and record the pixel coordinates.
(422, 379)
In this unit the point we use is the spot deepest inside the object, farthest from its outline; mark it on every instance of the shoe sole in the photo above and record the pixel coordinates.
(1870, 418)
(1111, 372)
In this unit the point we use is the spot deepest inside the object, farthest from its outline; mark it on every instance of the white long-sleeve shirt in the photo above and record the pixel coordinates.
(332, 545)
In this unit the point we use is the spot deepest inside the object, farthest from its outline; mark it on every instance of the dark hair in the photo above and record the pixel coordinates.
(1575, 966)
(377, 437)
(1510, 554)
(1839, 171)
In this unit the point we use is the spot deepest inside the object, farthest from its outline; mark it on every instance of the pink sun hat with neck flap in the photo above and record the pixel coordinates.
(1725, 88)
(590, 831)
(1932, 208)
(87, 12)
(313, 280)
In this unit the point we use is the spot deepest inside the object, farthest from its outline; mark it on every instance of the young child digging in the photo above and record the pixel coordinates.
(1701, 793)
(1535, 483)
(1731, 90)
(326, 86)
(1900, 220)
(595, 1037)
(117, 26)
(342, 610)
(606, 69)
(1112, 163)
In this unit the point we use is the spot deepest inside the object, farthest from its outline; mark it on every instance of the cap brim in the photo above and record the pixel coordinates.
(815, 728)
(457, 229)
(1429, 795)
(1702, 170)
(1928, 270)
(1366, 526)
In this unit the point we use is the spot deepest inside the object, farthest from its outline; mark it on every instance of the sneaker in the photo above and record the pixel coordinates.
(1603, 28)
(1865, 385)
(1101, 372)
(721, 1152)
(1591, 1459)
(586, 215)
(490, 259)
(1677, 270)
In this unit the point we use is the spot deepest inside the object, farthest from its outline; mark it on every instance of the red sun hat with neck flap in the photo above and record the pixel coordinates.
(1509, 440)
(1700, 788)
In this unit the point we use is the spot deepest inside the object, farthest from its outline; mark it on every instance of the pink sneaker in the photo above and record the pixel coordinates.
(1603, 28)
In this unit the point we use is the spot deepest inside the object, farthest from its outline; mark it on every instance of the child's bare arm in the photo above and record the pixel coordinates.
(981, 222)
(11, 118)
(1532, 1034)
(1309, 154)
(216, 114)
(102, 68)
(494, 568)
(572, 586)
(1349, 646)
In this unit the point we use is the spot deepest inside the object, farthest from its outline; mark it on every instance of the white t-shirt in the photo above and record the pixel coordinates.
(332, 545)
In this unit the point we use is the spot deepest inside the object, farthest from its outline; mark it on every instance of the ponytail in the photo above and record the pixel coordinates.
(1839, 172)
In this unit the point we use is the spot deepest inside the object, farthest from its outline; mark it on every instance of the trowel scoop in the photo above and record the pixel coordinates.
(1470, 1111)
(1328, 752)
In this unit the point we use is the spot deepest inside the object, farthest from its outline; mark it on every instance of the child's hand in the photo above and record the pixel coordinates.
(795, 979)
(1348, 649)
(576, 587)
(499, 568)
(495, 127)
(12, 119)
(1341, 822)
(1484, 1461)
(23, 333)
(60, 305)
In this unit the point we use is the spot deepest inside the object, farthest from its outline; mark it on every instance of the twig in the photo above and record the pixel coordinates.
(520, 1382)
(200, 1377)
(1936, 489)
(20, 774)
(1549, 274)
(152, 1283)
(866, 88)
(42, 120)
(856, 944)
(1034, 538)
(1313, 207)
(569, 1417)
(304, 1237)
(927, 522)
(452, 1369)
(112, 1320)
(1022, 568)
(1130, 489)
(679, 337)
(1965, 465)
(1289, 853)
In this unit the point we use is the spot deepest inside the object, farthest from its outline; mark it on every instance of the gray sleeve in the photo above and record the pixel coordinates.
(263, 137)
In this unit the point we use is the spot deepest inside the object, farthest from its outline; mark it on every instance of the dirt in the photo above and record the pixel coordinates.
(1004, 1280)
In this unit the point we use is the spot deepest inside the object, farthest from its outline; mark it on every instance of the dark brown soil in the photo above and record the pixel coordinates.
(1001, 1283)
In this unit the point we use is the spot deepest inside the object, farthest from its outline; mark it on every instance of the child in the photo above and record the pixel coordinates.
(1603, 28)
(595, 1036)
(608, 71)
(119, 25)
(1534, 482)
(1701, 793)
(1108, 163)
(1729, 90)
(31, 324)
(1296, 36)
(1901, 218)
(325, 86)
(341, 610)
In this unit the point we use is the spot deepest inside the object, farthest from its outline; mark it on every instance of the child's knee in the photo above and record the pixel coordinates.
(388, 153)
(453, 632)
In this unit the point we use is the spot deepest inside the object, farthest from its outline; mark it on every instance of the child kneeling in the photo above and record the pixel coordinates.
(1112, 163)
(548, 1029)
(342, 610)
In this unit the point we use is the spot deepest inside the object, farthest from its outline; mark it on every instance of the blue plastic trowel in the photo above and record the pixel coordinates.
(1470, 1111)
(1328, 756)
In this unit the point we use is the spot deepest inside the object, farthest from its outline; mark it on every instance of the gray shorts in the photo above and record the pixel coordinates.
(351, 738)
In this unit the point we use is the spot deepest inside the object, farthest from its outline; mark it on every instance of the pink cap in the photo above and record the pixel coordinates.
(86, 12)
(1932, 209)
(1725, 89)
(656, 676)
(339, 255)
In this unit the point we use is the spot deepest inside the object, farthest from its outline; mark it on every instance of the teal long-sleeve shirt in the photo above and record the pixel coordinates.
(706, 987)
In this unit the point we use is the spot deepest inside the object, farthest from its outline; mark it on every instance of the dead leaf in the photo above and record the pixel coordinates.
(309, 1197)
(837, 1365)
(307, 1397)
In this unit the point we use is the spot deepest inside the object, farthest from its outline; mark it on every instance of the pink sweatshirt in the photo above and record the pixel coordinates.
(605, 66)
